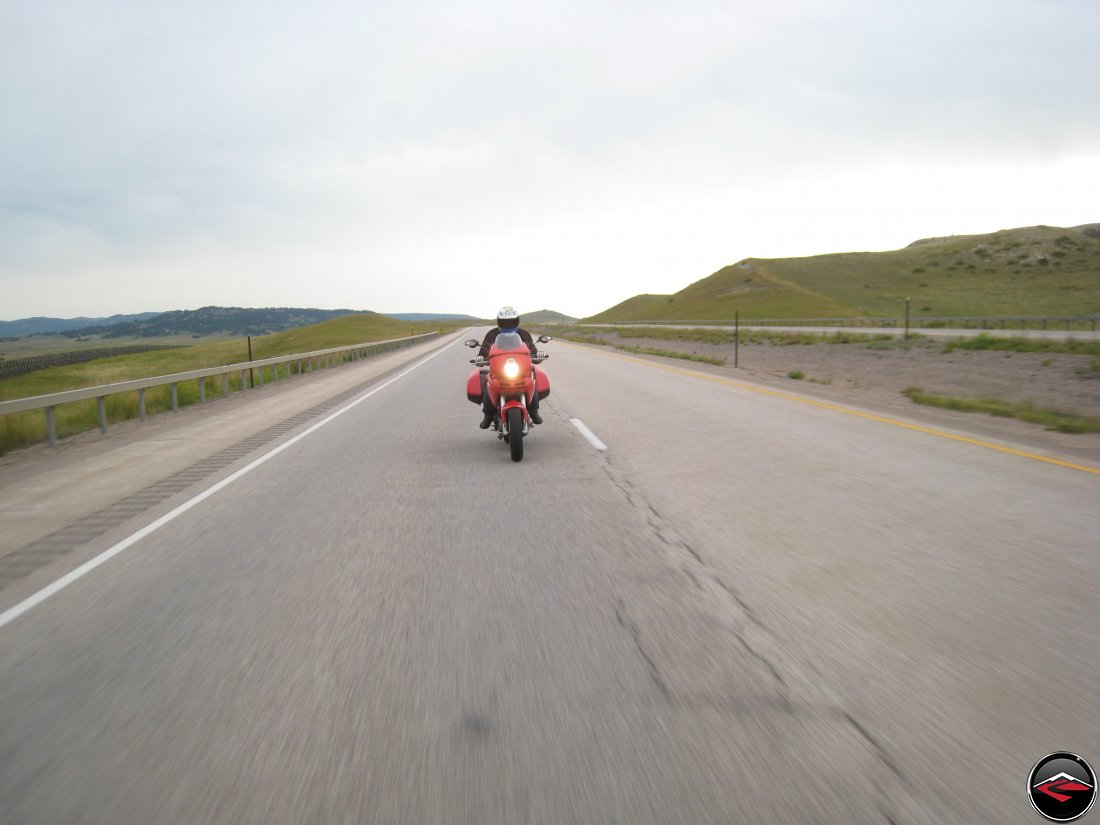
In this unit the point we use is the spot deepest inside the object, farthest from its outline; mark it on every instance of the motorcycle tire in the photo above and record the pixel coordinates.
(515, 433)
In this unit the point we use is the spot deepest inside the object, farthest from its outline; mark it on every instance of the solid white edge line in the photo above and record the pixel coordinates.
(22, 607)
(588, 434)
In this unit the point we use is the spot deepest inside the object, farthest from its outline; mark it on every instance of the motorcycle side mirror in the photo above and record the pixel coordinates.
(473, 342)
(545, 339)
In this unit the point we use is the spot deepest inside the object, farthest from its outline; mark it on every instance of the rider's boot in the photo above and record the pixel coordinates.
(486, 419)
(534, 415)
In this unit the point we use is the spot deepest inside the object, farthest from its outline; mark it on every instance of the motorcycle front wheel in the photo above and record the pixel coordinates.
(515, 433)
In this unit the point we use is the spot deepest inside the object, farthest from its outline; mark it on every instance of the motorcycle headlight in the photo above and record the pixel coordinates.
(511, 368)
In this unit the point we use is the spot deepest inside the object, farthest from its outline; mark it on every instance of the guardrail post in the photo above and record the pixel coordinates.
(225, 385)
(175, 397)
(101, 408)
(51, 430)
(141, 404)
(261, 376)
(244, 380)
(202, 390)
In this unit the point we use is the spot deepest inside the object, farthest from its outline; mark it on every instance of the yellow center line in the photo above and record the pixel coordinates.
(825, 405)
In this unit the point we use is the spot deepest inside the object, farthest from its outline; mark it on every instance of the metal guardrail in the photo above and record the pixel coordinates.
(321, 358)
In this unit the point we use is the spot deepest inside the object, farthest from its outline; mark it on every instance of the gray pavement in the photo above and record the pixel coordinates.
(746, 609)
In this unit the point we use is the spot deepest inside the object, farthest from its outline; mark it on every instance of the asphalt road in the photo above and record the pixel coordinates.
(748, 608)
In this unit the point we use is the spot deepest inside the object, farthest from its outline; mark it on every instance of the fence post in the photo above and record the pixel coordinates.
(736, 338)
(101, 408)
(51, 430)
(175, 397)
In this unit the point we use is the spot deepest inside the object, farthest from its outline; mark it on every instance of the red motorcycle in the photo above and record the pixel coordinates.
(511, 379)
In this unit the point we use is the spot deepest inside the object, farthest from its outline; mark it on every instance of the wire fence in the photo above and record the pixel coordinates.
(1068, 323)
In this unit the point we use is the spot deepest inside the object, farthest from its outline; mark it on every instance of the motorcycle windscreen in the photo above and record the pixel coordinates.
(509, 341)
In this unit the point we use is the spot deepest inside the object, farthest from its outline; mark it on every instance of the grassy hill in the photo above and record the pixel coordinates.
(1039, 270)
(546, 316)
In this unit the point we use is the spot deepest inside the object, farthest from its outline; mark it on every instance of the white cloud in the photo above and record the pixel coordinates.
(439, 156)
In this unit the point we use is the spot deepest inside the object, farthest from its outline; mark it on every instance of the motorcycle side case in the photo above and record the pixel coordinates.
(542, 383)
(473, 386)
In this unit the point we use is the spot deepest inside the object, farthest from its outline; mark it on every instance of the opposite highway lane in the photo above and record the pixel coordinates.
(746, 609)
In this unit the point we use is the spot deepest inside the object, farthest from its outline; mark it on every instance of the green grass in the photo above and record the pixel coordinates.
(23, 429)
(797, 375)
(1051, 419)
(998, 274)
(664, 353)
(1020, 344)
(31, 345)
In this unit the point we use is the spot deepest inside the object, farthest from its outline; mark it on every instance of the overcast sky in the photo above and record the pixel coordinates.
(421, 155)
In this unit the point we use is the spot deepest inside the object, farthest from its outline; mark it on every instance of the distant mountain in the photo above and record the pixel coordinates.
(214, 320)
(1033, 270)
(40, 325)
(428, 316)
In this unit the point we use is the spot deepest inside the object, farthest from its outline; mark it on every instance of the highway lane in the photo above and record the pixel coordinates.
(747, 609)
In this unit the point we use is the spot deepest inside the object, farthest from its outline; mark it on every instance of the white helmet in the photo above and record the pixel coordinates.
(507, 318)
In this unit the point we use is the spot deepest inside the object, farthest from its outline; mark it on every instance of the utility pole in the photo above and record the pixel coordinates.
(906, 319)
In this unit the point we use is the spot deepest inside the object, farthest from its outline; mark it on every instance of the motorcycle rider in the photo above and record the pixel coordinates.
(507, 321)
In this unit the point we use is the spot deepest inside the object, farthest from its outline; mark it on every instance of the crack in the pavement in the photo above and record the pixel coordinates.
(689, 561)
(883, 755)
(628, 624)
